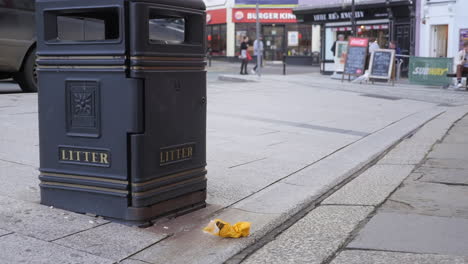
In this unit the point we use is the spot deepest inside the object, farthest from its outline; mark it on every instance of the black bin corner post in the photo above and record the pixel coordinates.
(122, 107)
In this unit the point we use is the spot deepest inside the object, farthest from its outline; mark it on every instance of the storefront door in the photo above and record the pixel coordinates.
(273, 39)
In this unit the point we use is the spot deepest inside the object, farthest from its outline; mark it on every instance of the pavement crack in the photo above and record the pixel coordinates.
(145, 248)
(400, 202)
(7, 234)
(81, 231)
(449, 183)
(18, 163)
(249, 162)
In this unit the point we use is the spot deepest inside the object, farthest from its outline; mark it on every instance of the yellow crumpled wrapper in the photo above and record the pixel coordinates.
(220, 228)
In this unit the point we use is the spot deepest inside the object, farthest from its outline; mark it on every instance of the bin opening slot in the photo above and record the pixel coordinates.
(168, 27)
(84, 25)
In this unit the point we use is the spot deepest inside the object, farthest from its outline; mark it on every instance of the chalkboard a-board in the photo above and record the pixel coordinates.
(381, 64)
(356, 57)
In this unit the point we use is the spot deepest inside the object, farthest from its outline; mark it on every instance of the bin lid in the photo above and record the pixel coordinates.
(195, 4)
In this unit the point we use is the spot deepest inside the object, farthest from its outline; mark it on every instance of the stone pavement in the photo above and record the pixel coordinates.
(375, 218)
(274, 148)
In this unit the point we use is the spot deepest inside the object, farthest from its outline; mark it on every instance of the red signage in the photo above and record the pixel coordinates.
(358, 42)
(267, 15)
(218, 16)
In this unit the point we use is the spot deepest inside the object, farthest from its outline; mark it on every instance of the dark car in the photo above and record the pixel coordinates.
(17, 43)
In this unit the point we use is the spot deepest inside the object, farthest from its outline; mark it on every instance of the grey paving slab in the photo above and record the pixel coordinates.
(457, 135)
(23, 249)
(42, 222)
(20, 182)
(314, 238)
(371, 187)
(430, 199)
(446, 175)
(349, 160)
(112, 241)
(199, 248)
(414, 233)
(446, 163)
(5, 164)
(279, 198)
(450, 151)
(407, 152)
(381, 257)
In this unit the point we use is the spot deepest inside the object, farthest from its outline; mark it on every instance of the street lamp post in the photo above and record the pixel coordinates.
(353, 18)
(259, 67)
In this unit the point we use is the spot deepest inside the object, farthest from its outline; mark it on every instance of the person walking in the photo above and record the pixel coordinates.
(243, 55)
(461, 62)
(258, 51)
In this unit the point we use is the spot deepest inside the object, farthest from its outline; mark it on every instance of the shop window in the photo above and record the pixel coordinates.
(216, 39)
(299, 40)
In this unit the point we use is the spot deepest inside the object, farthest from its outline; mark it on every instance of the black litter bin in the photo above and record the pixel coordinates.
(122, 106)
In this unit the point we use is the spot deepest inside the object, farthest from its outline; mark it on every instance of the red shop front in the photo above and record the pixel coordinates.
(279, 28)
(216, 31)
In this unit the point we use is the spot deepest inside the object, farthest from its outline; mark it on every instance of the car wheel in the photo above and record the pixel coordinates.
(27, 78)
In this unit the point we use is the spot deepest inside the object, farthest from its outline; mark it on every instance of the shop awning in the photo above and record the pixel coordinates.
(317, 8)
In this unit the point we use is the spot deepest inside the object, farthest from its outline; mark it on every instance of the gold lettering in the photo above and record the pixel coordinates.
(86, 156)
(172, 155)
(167, 156)
(178, 154)
(64, 155)
(183, 153)
(71, 154)
(162, 158)
(78, 155)
(190, 152)
(104, 158)
(94, 157)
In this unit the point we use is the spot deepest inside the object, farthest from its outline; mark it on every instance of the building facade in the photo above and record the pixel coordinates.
(442, 27)
(228, 21)
(385, 20)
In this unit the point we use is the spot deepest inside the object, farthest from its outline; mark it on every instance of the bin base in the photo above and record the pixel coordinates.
(116, 208)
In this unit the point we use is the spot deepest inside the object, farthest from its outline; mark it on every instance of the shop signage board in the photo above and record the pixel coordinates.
(267, 15)
(356, 56)
(346, 15)
(430, 71)
(463, 37)
(217, 16)
(381, 64)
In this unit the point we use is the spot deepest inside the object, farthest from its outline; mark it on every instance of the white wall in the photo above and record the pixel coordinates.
(453, 13)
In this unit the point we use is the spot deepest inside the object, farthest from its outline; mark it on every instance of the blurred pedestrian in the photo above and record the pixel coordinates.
(243, 55)
(258, 51)
(341, 37)
(394, 45)
(373, 45)
(461, 61)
